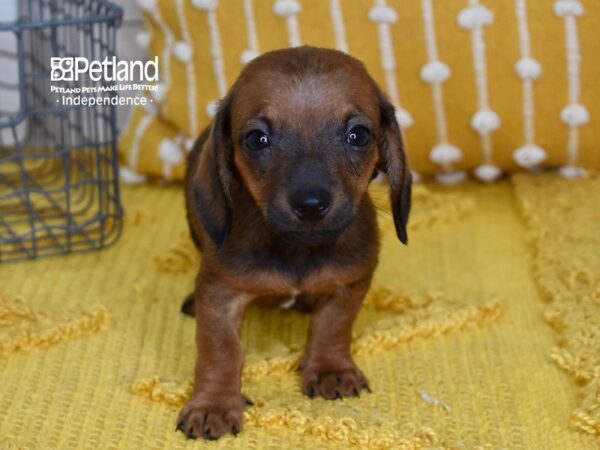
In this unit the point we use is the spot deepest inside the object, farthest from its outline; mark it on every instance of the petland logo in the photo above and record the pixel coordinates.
(80, 81)
(71, 69)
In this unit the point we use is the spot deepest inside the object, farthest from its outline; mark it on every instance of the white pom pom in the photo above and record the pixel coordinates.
(170, 152)
(130, 176)
(528, 68)
(159, 93)
(448, 178)
(247, 56)
(487, 172)
(529, 156)
(435, 72)
(286, 8)
(571, 172)
(445, 154)
(212, 108)
(183, 51)
(205, 5)
(150, 107)
(575, 115)
(379, 178)
(147, 5)
(485, 120)
(564, 8)
(416, 176)
(383, 14)
(189, 143)
(475, 16)
(404, 118)
(142, 39)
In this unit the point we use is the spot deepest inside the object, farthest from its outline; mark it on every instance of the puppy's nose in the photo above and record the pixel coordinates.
(311, 205)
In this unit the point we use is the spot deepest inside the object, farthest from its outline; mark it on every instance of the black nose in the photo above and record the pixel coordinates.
(311, 204)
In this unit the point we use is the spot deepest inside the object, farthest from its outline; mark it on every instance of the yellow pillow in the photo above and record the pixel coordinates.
(478, 87)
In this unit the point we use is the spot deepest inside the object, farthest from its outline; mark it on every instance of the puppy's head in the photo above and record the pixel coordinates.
(304, 130)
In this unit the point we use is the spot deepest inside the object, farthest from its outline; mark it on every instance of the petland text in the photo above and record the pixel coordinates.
(74, 68)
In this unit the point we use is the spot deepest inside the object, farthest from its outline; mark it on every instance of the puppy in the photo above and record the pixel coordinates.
(276, 195)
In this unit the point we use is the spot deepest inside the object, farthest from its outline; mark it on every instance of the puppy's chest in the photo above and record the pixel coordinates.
(295, 264)
(280, 270)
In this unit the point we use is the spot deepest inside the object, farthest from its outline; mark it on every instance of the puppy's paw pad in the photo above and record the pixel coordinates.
(207, 420)
(333, 384)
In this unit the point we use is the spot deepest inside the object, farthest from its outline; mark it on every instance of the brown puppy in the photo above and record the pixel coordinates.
(277, 199)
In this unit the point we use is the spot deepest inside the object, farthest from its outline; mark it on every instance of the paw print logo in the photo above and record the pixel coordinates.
(61, 69)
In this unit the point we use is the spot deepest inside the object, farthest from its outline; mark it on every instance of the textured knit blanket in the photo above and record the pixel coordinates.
(483, 333)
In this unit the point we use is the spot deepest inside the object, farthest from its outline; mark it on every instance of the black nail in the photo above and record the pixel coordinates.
(234, 430)
(248, 402)
(312, 392)
(190, 433)
(356, 393)
(368, 389)
(179, 426)
(208, 436)
(337, 395)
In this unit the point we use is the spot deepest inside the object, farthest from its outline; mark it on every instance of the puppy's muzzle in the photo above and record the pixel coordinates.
(310, 205)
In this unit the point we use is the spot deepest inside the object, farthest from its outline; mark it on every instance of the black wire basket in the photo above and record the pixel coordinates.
(59, 190)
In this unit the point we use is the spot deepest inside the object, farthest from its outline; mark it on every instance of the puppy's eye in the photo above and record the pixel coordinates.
(257, 140)
(359, 136)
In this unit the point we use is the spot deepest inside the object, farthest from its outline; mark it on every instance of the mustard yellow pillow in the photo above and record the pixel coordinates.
(479, 86)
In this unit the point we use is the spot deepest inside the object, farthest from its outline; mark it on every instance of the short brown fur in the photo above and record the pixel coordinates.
(257, 250)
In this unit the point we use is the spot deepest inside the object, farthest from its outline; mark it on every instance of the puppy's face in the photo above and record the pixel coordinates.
(303, 130)
(305, 144)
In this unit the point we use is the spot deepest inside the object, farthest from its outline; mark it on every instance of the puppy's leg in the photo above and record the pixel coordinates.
(328, 368)
(215, 407)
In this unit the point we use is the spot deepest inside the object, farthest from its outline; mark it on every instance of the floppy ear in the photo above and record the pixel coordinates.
(392, 161)
(212, 178)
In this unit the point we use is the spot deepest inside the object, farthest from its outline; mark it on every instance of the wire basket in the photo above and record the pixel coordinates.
(59, 190)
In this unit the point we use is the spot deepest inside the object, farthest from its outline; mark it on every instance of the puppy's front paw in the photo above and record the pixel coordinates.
(211, 418)
(333, 383)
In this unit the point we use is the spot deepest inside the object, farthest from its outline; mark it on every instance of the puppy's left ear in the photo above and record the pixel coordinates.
(392, 161)
(211, 177)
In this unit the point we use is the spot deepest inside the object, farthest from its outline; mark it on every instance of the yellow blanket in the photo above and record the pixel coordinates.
(454, 335)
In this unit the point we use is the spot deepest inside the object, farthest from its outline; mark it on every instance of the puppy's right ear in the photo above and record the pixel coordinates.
(211, 179)
(393, 161)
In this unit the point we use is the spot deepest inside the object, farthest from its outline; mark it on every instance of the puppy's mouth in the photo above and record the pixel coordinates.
(321, 233)
(310, 238)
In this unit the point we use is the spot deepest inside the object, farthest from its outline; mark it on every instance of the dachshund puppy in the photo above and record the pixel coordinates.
(276, 195)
